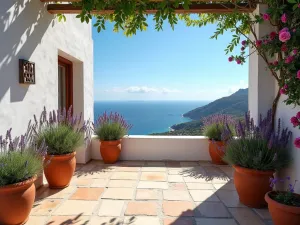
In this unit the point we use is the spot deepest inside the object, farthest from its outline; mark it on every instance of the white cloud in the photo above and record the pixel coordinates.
(235, 88)
(143, 89)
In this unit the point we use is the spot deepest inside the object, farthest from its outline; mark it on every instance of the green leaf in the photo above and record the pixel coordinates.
(291, 1)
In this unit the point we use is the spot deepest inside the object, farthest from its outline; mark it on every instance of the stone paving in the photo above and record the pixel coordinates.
(146, 193)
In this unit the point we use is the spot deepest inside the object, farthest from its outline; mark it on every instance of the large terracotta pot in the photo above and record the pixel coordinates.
(217, 151)
(59, 169)
(110, 151)
(252, 185)
(282, 214)
(16, 201)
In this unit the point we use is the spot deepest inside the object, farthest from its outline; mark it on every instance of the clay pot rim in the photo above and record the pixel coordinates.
(116, 142)
(253, 171)
(60, 157)
(17, 186)
(286, 208)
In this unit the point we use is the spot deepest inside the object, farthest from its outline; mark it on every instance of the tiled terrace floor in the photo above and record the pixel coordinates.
(146, 193)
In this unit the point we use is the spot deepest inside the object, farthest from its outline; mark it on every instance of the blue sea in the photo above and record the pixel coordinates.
(149, 116)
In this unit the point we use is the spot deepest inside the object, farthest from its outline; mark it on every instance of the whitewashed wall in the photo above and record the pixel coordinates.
(156, 148)
(262, 91)
(29, 32)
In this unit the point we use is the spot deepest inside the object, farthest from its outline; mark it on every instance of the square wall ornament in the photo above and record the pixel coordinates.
(26, 72)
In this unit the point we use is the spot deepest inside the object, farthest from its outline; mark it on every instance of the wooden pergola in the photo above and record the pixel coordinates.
(206, 6)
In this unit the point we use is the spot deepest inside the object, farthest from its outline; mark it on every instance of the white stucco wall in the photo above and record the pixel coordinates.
(262, 91)
(29, 32)
(147, 147)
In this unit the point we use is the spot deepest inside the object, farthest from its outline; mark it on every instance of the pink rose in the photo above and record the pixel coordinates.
(242, 48)
(284, 18)
(297, 142)
(289, 59)
(295, 121)
(230, 59)
(266, 16)
(298, 5)
(294, 30)
(284, 48)
(294, 52)
(284, 30)
(298, 115)
(298, 74)
(275, 63)
(238, 61)
(284, 36)
(282, 91)
(244, 42)
(285, 86)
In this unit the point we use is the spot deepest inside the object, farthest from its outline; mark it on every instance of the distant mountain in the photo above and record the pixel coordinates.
(235, 104)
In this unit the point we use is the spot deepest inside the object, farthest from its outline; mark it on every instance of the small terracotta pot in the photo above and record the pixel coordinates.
(110, 151)
(216, 151)
(282, 214)
(252, 185)
(59, 169)
(16, 201)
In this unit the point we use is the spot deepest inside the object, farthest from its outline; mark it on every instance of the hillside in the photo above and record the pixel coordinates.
(235, 104)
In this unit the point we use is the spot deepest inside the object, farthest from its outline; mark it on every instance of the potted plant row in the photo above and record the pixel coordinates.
(219, 129)
(110, 129)
(256, 154)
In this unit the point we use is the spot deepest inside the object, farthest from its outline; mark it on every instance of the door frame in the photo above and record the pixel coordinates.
(69, 80)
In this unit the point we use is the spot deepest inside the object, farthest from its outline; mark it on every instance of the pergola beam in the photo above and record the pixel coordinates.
(193, 8)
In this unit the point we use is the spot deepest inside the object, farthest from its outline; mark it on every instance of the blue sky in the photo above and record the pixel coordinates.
(184, 64)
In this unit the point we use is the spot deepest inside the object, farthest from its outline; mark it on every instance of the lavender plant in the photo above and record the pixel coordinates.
(218, 127)
(20, 159)
(61, 130)
(259, 147)
(111, 127)
(287, 197)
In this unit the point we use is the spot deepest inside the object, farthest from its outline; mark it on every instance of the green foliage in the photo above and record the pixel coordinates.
(18, 166)
(213, 131)
(110, 131)
(60, 139)
(287, 198)
(253, 153)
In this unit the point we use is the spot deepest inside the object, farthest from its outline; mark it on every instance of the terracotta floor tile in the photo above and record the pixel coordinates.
(76, 207)
(191, 179)
(45, 206)
(225, 186)
(147, 194)
(141, 220)
(154, 176)
(145, 208)
(97, 220)
(178, 221)
(154, 169)
(210, 221)
(46, 192)
(36, 220)
(175, 171)
(111, 208)
(176, 195)
(83, 182)
(152, 185)
(177, 186)
(263, 213)
(245, 216)
(133, 163)
(199, 186)
(175, 178)
(228, 170)
(229, 198)
(178, 208)
(127, 169)
(122, 183)
(204, 195)
(68, 220)
(212, 209)
(125, 176)
(87, 194)
(99, 182)
(118, 193)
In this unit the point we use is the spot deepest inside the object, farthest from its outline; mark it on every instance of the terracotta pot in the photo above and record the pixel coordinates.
(59, 169)
(252, 185)
(216, 151)
(110, 151)
(282, 214)
(16, 201)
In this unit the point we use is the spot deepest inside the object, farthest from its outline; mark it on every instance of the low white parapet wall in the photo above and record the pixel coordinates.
(147, 147)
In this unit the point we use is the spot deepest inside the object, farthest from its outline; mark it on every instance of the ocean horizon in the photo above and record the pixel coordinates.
(149, 116)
